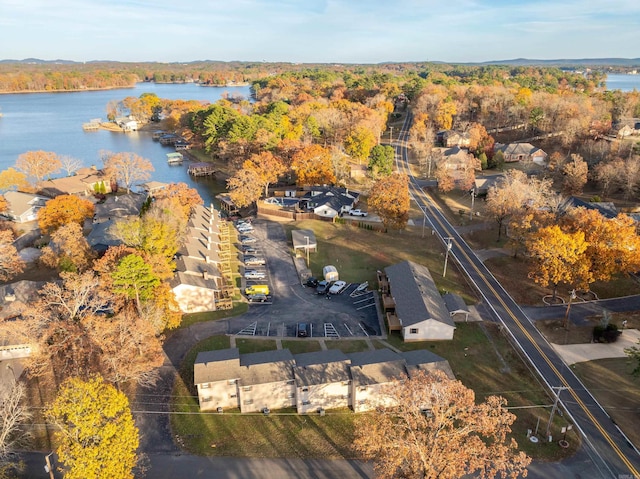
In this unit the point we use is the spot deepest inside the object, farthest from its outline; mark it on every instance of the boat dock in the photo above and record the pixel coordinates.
(93, 124)
(202, 169)
(175, 158)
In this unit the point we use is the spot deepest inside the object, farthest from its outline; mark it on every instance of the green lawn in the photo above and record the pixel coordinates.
(299, 347)
(354, 346)
(189, 319)
(359, 253)
(246, 345)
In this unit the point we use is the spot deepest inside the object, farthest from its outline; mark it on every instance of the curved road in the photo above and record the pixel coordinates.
(610, 451)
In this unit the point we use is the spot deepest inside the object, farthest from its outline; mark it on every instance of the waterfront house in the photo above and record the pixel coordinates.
(419, 308)
(127, 123)
(23, 207)
(85, 182)
(330, 201)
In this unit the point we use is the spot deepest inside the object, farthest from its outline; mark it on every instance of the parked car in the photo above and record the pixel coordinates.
(250, 250)
(258, 298)
(247, 239)
(323, 287)
(245, 229)
(357, 212)
(337, 287)
(254, 260)
(303, 330)
(254, 274)
(311, 283)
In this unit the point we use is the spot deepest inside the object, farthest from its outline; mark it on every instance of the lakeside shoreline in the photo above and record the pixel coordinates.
(228, 85)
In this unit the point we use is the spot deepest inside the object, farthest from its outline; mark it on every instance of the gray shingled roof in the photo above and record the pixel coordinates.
(219, 365)
(193, 280)
(416, 296)
(455, 303)
(376, 367)
(321, 367)
(266, 367)
(424, 360)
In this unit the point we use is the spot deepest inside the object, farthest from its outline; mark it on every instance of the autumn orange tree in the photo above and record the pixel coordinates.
(68, 249)
(245, 187)
(186, 198)
(313, 166)
(62, 210)
(38, 164)
(268, 167)
(613, 244)
(389, 198)
(428, 426)
(128, 168)
(558, 257)
(96, 434)
(11, 263)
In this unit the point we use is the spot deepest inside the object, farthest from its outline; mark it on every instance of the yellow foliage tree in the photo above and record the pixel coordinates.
(96, 435)
(558, 257)
(429, 427)
(444, 114)
(390, 199)
(12, 179)
(187, 198)
(11, 263)
(62, 210)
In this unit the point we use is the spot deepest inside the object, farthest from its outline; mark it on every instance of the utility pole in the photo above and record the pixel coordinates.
(424, 220)
(446, 256)
(473, 197)
(554, 408)
(391, 135)
(307, 238)
(572, 296)
(48, 467)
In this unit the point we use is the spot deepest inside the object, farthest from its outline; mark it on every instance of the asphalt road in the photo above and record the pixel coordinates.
(611, 453)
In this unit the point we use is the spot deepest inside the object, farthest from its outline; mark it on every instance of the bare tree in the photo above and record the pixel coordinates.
(70, 164)
(13, 416)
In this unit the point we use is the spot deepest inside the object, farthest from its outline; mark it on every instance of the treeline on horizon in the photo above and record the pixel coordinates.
(37, 77)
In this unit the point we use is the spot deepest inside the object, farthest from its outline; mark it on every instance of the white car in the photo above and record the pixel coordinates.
(245, 228)
(357, 212)
(253, 274)
(254, 261)
(337, 287)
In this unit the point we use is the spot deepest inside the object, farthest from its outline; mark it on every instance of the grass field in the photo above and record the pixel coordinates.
(359, 253)
(617, 391)
(490, 367)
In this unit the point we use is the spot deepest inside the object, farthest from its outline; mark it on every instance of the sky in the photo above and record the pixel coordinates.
(318, 31)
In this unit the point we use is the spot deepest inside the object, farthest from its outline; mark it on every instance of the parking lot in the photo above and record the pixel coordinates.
(348, 314)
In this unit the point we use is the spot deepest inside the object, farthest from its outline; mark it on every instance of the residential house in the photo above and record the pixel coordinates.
(311, 382)
(85, 182)
(330, 201)
(450, 138)
(513, 152)
(23, 207)
(266, 380)
(458, 161)
(199, 284)
(216, 375)
(120, 206)
(623, 130)
(322, 381)
(103, 236)
(371, 372)
(127, 123)
(419, 307)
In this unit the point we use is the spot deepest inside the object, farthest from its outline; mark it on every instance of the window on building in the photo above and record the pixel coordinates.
(248, 401)
(306, 403)
(232, 381)
(246, 388)
(362, 388)
(205, 399)
(291, 395)
(204, 385)
(413, 331)
(305, 389)
(233, 395)
(291, 381)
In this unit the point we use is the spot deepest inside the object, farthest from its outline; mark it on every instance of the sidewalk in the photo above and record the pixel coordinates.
(576, 353)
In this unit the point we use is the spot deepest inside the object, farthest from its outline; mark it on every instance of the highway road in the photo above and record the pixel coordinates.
(612, 454)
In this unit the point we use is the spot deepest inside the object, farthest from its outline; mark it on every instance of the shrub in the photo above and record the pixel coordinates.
(606, 334)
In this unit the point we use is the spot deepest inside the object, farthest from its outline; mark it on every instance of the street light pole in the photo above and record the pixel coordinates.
(446, 256)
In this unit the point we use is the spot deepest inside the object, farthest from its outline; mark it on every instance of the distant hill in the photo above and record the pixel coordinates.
(568, 62)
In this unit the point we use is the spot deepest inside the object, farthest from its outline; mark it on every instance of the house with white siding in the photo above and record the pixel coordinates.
(419, 308)
(322, 381)
(371, 372)
(23, 207)
(216, 375)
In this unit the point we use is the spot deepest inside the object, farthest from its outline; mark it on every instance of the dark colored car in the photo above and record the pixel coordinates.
(311, 283)
(323, 287)
(303, 330)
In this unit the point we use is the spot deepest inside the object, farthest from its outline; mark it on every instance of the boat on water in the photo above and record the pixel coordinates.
(175, 158)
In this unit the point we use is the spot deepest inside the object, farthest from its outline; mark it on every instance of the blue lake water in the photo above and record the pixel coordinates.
(53, 122)
(623, 82)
